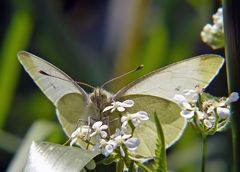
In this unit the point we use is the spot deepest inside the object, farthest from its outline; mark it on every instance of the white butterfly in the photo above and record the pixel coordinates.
(151, 93)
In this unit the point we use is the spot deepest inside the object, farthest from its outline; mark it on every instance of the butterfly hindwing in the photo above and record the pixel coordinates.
(168, 113)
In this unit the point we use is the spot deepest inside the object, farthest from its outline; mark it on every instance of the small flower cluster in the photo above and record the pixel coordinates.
(206, 113)
(213, 35)
(121, 141)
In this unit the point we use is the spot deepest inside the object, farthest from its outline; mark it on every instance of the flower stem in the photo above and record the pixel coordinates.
(232, 40)
(204, 151)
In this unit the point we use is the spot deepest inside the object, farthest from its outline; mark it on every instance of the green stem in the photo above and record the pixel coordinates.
(204, 151)
(232, 40)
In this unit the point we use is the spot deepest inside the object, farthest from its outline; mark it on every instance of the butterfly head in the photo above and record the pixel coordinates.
(100, 98)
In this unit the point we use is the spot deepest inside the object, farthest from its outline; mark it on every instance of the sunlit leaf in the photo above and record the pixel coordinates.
(57, 158)
(38, 131)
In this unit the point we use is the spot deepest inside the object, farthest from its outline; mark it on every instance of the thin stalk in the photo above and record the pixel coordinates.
(204, 151)
(231, 17)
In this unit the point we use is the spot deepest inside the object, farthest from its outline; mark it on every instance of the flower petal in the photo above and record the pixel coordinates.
(75, 133)
(73, 141)
(187, 114)
(142, 115)
(127, 103)
(187, 105)
(103, 127)
(132, 143)
(212, 118)
(179, 98)
(200, 115)
(210, 109)
(93, 134)
(136, 122)
(124, 118)
(120, 109)
(192, 95)
(124, 124)
(107, 150)
(118, 138)
(126, 136)
(103, 134)
(113, 143)
(107, 108)
(207, 123)
(97, 125)
(223, 112)
(112, 110)
(234, 96)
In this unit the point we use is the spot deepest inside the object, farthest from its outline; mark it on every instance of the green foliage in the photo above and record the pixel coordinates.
(16, 38)
(160, 164)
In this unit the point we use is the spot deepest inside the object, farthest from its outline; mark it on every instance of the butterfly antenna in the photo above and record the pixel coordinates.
(77, 82)
(132, 71)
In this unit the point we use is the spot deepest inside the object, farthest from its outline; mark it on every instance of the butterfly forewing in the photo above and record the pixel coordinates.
(175, 78)
(53, 88)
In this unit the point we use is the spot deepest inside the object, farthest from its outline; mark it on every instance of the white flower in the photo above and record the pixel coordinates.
(222, 108)
(207, 123)
(188, 102)
(120, 106)
(136, 118)
(234, 96)
(119, 132)
(180, 99)
(223, 112)
(190, 96)
(107, 147)
(213, 34)
(218, 17)
(80, 133)
(126, 139)
(98, 128)
(189, 111)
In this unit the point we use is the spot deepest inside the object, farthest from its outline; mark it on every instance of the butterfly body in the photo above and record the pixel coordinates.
(98, 100)
(152, 93)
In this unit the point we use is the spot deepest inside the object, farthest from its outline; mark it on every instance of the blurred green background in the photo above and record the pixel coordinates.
(93, 41)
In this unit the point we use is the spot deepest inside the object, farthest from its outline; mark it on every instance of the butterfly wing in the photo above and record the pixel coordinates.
(52, 87)
(174, 79)
(168, 114)
(155, 91)
(68, 97)
(70, 110)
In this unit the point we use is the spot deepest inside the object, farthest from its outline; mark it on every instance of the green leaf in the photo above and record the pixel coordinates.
(160, 164)
(52, 157)
(38, 131)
